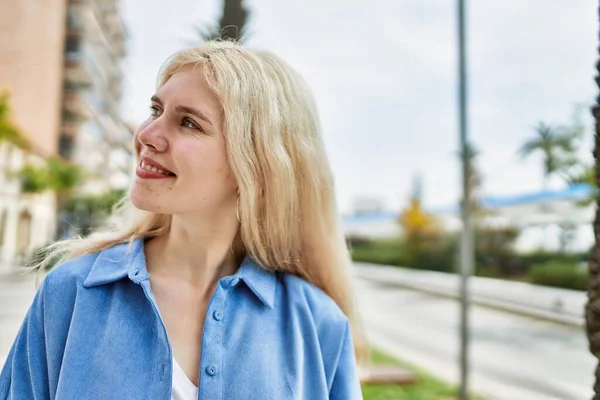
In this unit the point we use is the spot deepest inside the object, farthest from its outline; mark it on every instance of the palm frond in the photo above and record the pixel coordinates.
(231, 25)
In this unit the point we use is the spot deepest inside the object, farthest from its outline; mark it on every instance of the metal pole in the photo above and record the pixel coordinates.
(466, 248)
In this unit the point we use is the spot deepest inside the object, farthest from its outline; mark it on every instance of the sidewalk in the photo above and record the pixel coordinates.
(553, 304)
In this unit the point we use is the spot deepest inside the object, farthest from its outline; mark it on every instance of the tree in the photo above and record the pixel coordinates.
(474, 178)
(9, 132)
(91, 210)
(56, 175)
(558, 146)
(592, 309)
(422, 234)
(231, 25)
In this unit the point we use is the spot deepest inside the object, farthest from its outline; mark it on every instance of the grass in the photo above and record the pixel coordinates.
(426, 388)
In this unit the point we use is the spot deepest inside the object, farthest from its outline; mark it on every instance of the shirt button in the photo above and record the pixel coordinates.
(211, 370)
(234, 282)
(218, 315)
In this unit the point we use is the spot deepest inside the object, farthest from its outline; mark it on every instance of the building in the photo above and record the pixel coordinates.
(92, 133)
(551, 219)
(60, 61)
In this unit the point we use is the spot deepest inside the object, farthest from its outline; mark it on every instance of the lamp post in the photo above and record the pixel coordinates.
(466, 243)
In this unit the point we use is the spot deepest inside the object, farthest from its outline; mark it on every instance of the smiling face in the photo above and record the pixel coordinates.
(182, 159)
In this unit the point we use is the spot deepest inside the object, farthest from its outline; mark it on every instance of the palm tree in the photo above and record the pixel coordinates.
(557, 145)
(474, 178)
(592, 309)
(231, 25)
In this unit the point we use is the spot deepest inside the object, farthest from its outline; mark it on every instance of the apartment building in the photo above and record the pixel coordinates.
(60, 61)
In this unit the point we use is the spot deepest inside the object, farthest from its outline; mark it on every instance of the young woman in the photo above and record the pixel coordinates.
(226, 275)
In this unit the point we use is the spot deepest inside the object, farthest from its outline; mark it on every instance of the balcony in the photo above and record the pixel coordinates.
(75, 22)
(71, 117)
(77, 73)
(66, 145)
(74, 108)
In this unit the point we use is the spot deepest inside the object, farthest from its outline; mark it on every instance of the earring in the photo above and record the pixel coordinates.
(237, 214)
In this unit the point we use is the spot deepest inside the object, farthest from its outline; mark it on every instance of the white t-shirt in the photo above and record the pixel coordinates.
(183, 388)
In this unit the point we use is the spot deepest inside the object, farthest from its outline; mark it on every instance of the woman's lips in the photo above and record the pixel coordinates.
(145, 174)
(148, 169)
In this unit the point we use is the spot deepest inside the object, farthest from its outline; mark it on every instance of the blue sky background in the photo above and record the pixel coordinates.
(384, 74)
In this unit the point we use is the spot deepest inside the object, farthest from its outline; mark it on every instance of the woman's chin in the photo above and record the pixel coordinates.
(145, 202)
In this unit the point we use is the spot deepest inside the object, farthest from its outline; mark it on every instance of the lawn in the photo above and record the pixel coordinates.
(426, 388)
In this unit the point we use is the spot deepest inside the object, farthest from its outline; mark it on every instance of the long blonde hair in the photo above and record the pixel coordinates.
(287, 206)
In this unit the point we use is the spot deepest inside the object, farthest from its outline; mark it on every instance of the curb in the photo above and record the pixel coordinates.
(570, 320)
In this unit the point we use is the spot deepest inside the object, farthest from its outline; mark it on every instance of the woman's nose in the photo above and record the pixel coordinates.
(152, 136)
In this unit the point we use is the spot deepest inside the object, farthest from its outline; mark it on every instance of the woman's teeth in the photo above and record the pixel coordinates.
(154, 169)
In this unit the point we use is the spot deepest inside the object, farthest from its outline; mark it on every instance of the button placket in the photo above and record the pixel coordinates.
(211, 385)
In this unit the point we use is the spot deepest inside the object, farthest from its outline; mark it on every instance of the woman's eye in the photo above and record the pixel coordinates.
(154, 111)
(188, 123)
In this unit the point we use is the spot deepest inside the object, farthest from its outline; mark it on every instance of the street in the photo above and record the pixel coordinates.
(513, 357)
(16, 295)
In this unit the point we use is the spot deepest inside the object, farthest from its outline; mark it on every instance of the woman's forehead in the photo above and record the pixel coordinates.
(188, 87)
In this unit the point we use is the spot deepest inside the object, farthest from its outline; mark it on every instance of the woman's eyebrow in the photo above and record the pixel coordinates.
(184, 109)
(193, 111)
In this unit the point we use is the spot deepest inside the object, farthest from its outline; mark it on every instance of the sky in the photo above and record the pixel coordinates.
(384, 74)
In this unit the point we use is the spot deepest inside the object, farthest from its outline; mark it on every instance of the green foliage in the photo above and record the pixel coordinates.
(526, 260)
(560, 274)
(557, 144)
(474, 177)
(94, 203)
(56, 175)
(423, 243)
(389, 252)
(87, 212)
(9, 132)
(33, 179)
(494, 256)
(585, 174)
(426, 388)
(494, 252)
(231, 25)
(433, 253)
(63, 175)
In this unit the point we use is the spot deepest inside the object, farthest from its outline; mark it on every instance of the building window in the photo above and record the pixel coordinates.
(73, 44)
(65, 146)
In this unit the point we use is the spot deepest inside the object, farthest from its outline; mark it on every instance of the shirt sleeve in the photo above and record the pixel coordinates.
(346, 383)
(25, 371)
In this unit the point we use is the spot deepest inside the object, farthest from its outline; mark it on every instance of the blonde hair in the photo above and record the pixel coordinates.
(289, 220)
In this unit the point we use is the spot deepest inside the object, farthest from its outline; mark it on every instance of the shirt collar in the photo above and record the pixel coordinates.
(128, 260)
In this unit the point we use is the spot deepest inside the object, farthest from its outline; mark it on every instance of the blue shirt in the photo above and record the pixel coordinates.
(94, 332)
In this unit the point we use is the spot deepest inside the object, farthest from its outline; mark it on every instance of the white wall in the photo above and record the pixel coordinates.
(13, 204)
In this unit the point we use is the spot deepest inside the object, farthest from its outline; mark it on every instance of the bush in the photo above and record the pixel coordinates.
(494, 252)
(560, 274)
(544, 256)
(378, 252)
(433, 253)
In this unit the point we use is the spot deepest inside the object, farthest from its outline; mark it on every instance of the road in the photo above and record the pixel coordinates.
(513, 357)
(16, 296)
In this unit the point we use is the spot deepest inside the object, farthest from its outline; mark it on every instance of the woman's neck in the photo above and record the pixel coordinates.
(199, 254)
